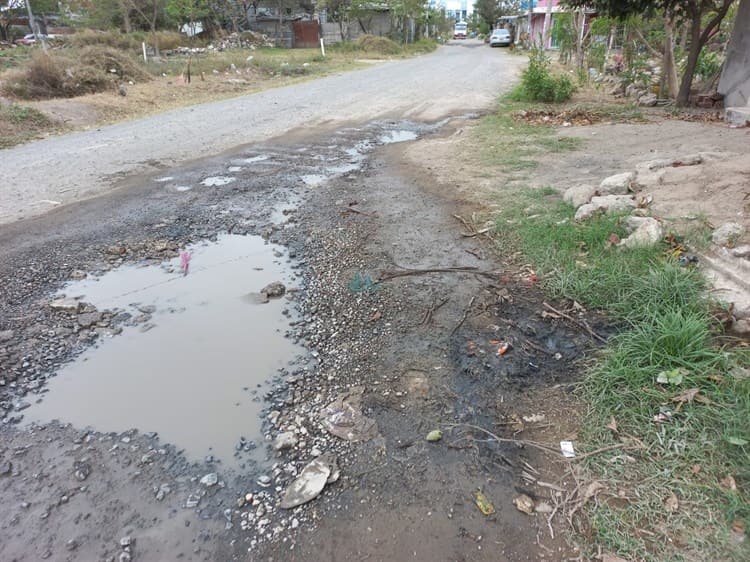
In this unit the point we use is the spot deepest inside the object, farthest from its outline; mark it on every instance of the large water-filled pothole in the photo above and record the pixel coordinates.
(195, 372)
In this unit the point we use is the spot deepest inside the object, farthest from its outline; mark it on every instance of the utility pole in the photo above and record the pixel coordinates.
(34, 27)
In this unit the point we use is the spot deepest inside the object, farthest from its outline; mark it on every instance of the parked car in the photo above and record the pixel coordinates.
(28, 39)
(500, 38)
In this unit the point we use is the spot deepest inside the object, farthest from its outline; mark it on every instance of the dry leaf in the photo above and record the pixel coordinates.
(613, 239)
(612, 424)
(376, 316)
(729, 483)
(672, 504)
(686, 396)
(696, 468)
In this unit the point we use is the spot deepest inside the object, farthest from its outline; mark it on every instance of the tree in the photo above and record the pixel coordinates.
(488, 10)
(187, 12)
(150, 12)
(702, 17)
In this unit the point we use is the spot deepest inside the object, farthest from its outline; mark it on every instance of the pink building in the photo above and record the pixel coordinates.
(539, 14)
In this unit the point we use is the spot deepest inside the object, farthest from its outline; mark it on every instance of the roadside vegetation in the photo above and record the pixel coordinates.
(20, 124)
(667, 399)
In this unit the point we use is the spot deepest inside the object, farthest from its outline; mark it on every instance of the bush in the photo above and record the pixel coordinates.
(94, 69)
(381, 45)
(538, 84)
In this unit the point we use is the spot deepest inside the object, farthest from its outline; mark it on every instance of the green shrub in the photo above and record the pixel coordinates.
(538, 84)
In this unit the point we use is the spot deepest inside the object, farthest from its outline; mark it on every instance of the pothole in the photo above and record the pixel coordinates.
(197, 377)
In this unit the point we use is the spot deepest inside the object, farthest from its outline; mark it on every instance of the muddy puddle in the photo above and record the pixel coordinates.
(194, 365)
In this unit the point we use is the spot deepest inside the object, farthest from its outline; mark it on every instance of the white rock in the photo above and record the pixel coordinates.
(579, 195)
(605, 204)
(646, 231)
(210, 479)
(738, 252)
(285, 440)
(65, 305)
(618, 184)
(727, 234)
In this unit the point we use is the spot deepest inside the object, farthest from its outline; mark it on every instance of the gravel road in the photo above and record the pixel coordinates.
(457, 78)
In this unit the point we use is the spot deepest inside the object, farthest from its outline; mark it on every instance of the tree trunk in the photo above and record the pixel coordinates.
(125, 16)
(669, 68)
(579, 29)
(683, 96)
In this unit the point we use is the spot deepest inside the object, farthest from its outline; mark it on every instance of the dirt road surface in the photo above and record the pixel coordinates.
(456, 79)
(397, 316)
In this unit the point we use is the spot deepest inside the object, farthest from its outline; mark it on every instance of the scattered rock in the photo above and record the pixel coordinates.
(6, 469)
(524, 503)
(310, 483)
(738, 252)
(65, 305)
(648, 100)
(285, 440)
(728, 234)
(6, 335)
(125, 541)
(646, 231)
(192, 501)
(605, 204)
(579, 195)
(210, 479)
(274, 290)
(256, 298)
(81, 470)
(88, 319)
(618, 184)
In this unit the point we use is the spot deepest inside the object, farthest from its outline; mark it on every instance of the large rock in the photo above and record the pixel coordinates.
(648, 100)
(646, 231)
(608, 204)
(727, 234)
(579, 195)
(619, 184)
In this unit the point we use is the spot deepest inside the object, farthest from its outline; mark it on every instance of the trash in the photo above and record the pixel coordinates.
(361, 284)
(483, 503)
(503, 348)
(534, 418)
(672, 504)
(185, 262)
(434, 435)
(673, 376)
(525, 504)
(567, 449)
(344, 418)
(310, 483)
(664, 415)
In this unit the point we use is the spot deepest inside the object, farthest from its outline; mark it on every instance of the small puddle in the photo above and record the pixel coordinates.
(392, 137)
(197, 377)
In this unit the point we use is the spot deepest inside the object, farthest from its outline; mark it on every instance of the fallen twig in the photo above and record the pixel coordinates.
(427, 317)
(534, 444)
(464, 317)
(353, 210)
(393, 274)
(580, 323)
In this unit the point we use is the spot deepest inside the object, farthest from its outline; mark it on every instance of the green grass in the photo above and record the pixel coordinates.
(513, 144)
(665, 322)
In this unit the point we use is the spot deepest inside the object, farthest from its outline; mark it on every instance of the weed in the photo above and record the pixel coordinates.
(665, 334)
(539, 84)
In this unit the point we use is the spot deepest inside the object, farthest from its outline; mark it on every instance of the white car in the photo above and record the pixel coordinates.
(500, 38)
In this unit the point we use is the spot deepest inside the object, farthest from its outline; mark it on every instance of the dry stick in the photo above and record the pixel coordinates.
(387, 275)
(464, 317)
(427, 317)
(540, 446)
(581, 324)
(353, 210)
(467, 225)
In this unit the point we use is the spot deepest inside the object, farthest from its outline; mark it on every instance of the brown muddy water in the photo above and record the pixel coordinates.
(195, 371)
